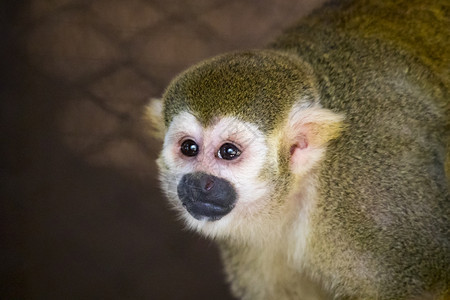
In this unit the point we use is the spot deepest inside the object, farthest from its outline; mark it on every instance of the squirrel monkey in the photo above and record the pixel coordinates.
(318, 163)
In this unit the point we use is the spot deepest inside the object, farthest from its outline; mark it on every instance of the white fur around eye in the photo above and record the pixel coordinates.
(183, 126)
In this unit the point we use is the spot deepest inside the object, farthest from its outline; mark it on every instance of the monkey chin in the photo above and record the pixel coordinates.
(212, 228)
(246, 223)
(196, 212)
(242, 223)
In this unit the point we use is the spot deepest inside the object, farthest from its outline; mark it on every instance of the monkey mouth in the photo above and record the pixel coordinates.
(206, 197)
(205, 210)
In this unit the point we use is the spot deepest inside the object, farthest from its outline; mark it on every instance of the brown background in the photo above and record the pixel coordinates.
(81, 213)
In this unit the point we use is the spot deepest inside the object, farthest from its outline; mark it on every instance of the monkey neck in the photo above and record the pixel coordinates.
(286, 232)
(271, 261)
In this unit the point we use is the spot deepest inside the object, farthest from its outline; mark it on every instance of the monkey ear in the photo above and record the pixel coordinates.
(153, 113)
(309, 130)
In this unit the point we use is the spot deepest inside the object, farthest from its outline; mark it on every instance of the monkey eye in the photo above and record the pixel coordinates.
(189, 148)
(228, 151)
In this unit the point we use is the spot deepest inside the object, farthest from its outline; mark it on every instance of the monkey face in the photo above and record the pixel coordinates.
(215, 175)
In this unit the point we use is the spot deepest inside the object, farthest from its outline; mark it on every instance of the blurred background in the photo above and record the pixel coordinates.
(81, 214)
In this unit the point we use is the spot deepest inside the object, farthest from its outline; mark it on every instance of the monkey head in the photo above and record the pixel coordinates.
(240, 130)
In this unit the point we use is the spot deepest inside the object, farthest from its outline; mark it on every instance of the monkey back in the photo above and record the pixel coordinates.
(384, 189)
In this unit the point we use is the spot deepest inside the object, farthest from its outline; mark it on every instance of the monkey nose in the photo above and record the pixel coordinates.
(206, 196)
(208, 185)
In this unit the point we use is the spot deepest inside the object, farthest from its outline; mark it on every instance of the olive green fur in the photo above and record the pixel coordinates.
(245, 85)
(385, 64)
(384, 203)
